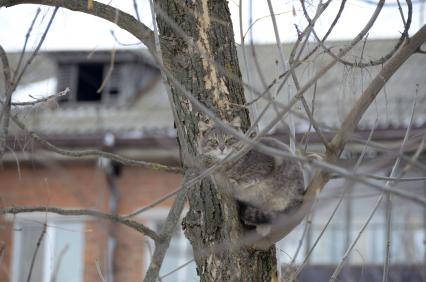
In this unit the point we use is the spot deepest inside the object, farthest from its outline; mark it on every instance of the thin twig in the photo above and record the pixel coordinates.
(2, 251)
(379, 61)
(94, 153)
(18, 77)
(347, 184)
(162, 245)
(253, 112)
(109, 72)
(6, 68)
(306, 229)
(12, 84)
(39, 241)
(5, 110)
(362, 104)
(27, 37)
(121, 43)
(135, 7)
(389, 200)
(388, 217)
(176, 269)
(99, 271)
(43, 99)
(104, 11)
(111, 63)
(345, 256)
(58, 263)
(402, 179)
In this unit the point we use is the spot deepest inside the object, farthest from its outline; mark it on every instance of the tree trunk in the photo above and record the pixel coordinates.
(212, 223)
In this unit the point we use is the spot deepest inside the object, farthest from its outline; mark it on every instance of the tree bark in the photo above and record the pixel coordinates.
(199, 64)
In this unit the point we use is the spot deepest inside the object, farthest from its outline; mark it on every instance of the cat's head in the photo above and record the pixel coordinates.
(214, 142)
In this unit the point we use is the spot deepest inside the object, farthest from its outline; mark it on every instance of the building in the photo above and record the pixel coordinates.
(123, 107)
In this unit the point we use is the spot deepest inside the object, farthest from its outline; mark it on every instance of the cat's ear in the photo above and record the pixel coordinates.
(236, 122)
(203, 126)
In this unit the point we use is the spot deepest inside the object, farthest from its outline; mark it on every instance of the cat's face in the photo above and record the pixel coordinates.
(214, 143)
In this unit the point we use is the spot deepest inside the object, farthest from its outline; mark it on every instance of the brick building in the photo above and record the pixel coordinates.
(129, 115)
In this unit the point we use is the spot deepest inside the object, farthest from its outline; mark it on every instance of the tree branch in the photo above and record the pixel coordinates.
(94, 153)
(39, 241)
(166, 235)
(43, 99)
(6, 68)
(376, 62)
(106, 12)
(373, 89)
(352, 119)
(5, 110)
(335, 148)
(115, 218)
(11, 85)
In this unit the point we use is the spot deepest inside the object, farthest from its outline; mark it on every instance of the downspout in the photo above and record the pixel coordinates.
(112, 171)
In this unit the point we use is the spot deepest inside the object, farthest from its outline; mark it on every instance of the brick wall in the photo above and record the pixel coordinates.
(83, 185)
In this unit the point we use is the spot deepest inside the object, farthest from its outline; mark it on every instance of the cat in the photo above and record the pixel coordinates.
(264, 186)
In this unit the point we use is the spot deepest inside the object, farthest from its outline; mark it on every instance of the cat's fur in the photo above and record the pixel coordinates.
(264, 186)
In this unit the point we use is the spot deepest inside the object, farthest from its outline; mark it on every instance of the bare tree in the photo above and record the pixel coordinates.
(195, 50)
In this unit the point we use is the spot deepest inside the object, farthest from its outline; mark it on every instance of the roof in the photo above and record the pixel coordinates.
(336, 92)
(120, 56)
(338, 89)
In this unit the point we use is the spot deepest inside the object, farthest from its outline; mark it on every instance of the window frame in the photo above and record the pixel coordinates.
(52, 221)
(73, 79)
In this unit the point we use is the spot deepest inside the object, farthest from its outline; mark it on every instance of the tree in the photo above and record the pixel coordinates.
(197, 55)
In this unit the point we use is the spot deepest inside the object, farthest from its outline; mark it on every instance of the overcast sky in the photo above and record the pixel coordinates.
(72, 30)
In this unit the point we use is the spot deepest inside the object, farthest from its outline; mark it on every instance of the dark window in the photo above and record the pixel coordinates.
(89, 80)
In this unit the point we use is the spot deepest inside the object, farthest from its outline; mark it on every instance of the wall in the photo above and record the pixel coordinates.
(83, 185)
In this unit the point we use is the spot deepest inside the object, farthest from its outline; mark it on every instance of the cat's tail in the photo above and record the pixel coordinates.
(253, 216)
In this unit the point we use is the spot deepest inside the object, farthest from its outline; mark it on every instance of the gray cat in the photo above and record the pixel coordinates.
(264, 186)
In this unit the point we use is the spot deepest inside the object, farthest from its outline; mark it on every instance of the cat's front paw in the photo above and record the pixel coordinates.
(263, 229)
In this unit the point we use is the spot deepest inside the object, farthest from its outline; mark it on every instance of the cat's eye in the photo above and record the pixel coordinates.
(231, 140)
(213, 142)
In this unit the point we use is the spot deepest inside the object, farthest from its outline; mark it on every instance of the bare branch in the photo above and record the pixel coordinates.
(337, 144)
(176, 269)
(104, 11)
(6, 68)
(388, 211)
(11, 86)
(42, 100)
(347, 184)
(77, 212)
(345, 256)
(379, 61)
(401, 179)
(135, 7)
(5, 109)
(373, 89)
(39, 241)
(58, 263)
(94, 153)
(18, 77)
(162, 245)
(99, 271)
(27, 37)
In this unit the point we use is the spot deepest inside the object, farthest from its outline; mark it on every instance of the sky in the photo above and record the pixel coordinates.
(74, 30)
